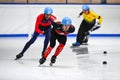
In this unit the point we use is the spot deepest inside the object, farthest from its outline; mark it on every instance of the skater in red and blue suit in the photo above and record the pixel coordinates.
(59, 32)
(42, 26)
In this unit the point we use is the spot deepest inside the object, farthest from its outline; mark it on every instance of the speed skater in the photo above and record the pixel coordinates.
(59, 32)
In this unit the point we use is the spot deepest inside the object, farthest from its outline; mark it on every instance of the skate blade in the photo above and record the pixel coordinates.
(51, 64)
(84, 44)
(74, 46)
(17, 58)
(39, 65)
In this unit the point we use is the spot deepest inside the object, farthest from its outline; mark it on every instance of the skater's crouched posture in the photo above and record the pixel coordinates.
(91, 22)
(42, 26)
(58, 32)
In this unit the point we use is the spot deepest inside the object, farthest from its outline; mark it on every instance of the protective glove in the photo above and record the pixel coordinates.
(95, 27)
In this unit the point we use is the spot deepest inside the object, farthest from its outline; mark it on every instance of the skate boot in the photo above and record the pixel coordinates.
(53, 60)
(42, 54)
(18, 56)
(76, 44)
(42, 60)
(84, 42)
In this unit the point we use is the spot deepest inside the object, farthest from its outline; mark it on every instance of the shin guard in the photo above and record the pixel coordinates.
(47, 52)
(59, 49)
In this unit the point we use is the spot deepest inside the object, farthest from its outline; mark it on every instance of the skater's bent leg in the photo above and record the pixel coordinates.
(62, 41)
(80, 36)
(57, 52)
(81, 32)
(52, 44)
(47, 52)
(31, 41)
(85, 40)
(46, 41)
(59, 49)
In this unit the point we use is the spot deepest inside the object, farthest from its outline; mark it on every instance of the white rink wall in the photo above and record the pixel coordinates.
(20, 19)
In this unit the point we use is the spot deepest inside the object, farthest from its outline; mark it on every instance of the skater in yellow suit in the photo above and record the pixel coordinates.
(91, 22)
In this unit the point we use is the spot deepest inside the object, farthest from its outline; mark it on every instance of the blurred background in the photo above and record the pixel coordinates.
(17, 17)
(63, 1)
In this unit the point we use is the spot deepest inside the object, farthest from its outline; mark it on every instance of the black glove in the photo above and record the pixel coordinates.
(96, 27)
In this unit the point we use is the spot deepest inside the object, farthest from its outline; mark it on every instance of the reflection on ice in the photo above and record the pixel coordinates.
(79, 63)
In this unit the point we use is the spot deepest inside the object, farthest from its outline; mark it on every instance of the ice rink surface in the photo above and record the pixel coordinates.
(80, 63)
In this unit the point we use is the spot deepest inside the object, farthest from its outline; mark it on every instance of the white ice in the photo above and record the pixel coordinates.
(82, 63)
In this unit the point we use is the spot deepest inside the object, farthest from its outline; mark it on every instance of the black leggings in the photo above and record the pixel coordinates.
(54, 36)
(83, 29)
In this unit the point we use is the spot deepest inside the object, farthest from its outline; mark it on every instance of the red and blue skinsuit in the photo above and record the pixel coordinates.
(42, 26)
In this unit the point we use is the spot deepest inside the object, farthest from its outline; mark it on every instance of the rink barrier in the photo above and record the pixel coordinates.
(97, 35)
(13, 35)
(12, 23)
(70, 35)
